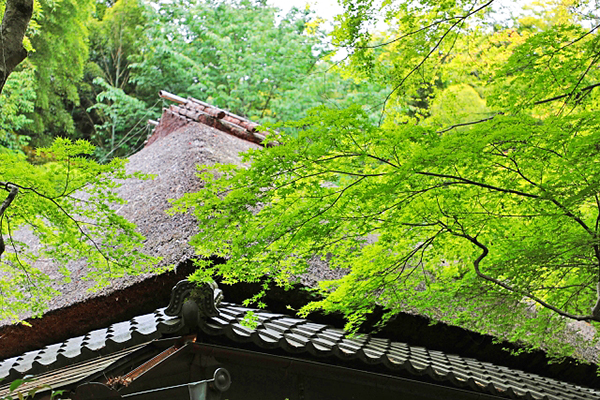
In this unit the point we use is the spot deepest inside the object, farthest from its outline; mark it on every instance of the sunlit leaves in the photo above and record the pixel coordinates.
(64, 212)
(474, 201)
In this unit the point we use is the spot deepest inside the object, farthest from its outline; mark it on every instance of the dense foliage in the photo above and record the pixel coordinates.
(475, 197)
(94, 64)
(61, 211)
(448, 168)
(58, 212)
(238, 56)
(93, 72)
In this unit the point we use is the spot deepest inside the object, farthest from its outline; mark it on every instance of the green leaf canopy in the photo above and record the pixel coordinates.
(475, 199)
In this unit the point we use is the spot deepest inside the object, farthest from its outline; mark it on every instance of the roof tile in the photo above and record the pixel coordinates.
(349, 346)
(25, 362)
(275, 326)
(298, 335)
(241, 330)
(269, 336)
(324, 340)
(7, 365)
(297, 341)
(122, 335)
(72, 347)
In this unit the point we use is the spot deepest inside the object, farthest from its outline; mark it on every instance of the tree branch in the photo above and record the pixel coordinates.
(579, 94)
(437, 44)
(470, 123)
(12, 193)
(16, 187)
(562, 96)
(480, 184)
(595, 316)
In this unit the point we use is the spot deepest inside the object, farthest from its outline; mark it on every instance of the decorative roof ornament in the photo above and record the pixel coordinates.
(194, 110)
(194, 302)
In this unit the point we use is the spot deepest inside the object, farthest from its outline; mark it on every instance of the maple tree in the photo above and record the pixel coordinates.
(64, 202)
(62, 211)
(474, 199)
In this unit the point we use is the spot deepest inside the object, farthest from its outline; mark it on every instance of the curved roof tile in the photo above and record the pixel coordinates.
(298, 335)
(295, 335)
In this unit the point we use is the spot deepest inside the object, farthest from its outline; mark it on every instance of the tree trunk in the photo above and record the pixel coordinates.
(14, 23)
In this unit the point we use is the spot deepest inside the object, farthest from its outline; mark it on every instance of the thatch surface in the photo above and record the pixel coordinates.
(172, 159)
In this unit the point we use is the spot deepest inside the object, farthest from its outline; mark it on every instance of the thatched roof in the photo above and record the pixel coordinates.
(172, 159)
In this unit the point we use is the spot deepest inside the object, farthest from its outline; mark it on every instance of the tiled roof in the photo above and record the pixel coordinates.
(57, 378)
(93, 345)
(294, 336)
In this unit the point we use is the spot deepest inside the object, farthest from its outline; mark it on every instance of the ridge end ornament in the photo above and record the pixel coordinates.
(206, 295)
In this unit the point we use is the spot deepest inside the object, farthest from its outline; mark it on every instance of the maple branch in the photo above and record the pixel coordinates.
(578, 95)
(12, 193)
(14, 188)
(572, 93)
(480, 184)
(595, 316)
(470, 123)
(431, 51)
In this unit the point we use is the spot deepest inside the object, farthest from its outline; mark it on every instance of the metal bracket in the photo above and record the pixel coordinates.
(209, 389)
